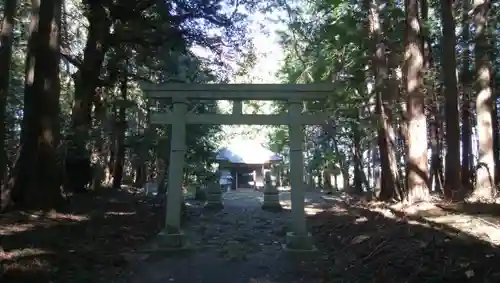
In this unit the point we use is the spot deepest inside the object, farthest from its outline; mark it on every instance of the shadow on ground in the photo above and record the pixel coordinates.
(491, 210)
(240, 243)
(360, 245)
(85, 245)
(355, 244)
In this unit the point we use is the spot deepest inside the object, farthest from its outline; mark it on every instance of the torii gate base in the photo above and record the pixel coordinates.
(298, 239)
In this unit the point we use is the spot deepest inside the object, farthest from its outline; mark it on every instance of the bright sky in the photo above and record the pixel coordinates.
(267, 46)
(263, 30)
(263, 33)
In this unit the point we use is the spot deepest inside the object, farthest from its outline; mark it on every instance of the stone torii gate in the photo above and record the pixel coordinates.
(180, 94)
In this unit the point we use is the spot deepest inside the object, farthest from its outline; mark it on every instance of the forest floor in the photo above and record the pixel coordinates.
(89, 244)
(356, 241)
(427, 242)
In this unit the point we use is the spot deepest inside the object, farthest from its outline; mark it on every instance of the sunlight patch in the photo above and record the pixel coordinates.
(309, 208)
(261, 280)
(18, 253)
(30, 221)
(56, 216)
(286, 204)
(119, 213)
(361, 219)
(70, 217)
(7, 230)
(313, 210)
(337, 209)
(468, 224)
(472, 225)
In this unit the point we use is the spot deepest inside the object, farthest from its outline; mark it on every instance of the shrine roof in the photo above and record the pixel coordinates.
(247, 152)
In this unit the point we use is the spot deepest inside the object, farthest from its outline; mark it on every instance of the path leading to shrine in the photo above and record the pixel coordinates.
(240, 244)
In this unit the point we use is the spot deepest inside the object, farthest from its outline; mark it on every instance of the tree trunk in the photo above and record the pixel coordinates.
(36, 178)
(87, 78)
(452, 138)
(466, 81)
(140, 176)
(485, 175)
(5, 60)
(100, 148)
(327, 181)
(140, 165)
(495, 125)
(141, 148)
(356, 155)
(120, 139)
(369, 170)
(344, 167)
(496, 140)
(417, 171)
(388, 186)
(436, 169)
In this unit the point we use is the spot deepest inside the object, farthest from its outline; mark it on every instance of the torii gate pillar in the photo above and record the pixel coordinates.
(298, 239)
(172, 236)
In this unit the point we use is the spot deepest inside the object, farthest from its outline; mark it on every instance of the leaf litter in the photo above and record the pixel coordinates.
(92, 243)
(374, 242)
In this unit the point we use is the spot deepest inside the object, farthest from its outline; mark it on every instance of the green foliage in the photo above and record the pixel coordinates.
(326, 41)
(149, 41)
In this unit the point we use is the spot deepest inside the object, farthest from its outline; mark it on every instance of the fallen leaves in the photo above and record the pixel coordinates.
(374, 244)
(86, 245)
(359, 239)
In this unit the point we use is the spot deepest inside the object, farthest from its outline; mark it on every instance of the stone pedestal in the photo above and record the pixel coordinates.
(171, 240)
(214, 197)
(271, 195)
(299, 243)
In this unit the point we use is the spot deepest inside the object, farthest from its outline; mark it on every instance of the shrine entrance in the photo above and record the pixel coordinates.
(178, 115)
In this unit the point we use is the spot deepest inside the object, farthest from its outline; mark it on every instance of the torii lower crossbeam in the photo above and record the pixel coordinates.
(242, 119)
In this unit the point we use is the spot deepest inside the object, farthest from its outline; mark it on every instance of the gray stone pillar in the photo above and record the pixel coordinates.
(271, 195)
(259, 176)
(298, 239)
(171, 237)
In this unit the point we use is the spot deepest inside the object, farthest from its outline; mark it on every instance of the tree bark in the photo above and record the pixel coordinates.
(5, 61)
(417, 168)
(36, 178)
(120, 139)
(436, 169)
(389, 185)
(452, 138)
(466, 82)
(87, 78)
(485, 175)
(358, 170)
(494, 116)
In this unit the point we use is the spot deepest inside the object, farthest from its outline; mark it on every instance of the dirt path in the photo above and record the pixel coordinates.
(240, 244)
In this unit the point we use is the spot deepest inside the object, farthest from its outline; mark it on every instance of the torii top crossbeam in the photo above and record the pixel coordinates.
(315, 91)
